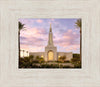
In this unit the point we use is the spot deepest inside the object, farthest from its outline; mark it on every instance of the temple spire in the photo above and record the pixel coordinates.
(50, 28)
(50, 39)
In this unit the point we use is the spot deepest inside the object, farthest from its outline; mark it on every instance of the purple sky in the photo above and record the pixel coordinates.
(34, 37)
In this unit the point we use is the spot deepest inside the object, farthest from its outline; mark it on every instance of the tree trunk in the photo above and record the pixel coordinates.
(19, 45)
(80, 45)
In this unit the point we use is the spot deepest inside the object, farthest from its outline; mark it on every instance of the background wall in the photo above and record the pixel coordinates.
(12, 10)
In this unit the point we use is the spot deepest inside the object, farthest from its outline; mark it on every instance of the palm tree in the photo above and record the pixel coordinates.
(27, 53)
(21, 26)
(79, 25)
(21, 53)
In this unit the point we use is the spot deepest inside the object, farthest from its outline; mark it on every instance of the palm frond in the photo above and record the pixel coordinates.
(21, 26)
(78, 23)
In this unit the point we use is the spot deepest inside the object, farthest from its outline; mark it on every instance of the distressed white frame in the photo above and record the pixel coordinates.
(12, 10)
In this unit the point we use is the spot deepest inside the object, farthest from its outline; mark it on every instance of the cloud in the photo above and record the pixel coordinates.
(24, 47)
(73, 48)
(33, 37)
(31, 48)
(36, 37)
(67, 39)
(39, 21)
(27, 22)
(52, 19)
(33, 41)
(33, 32)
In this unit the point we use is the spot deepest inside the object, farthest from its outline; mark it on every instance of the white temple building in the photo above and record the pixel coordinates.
(51, 53)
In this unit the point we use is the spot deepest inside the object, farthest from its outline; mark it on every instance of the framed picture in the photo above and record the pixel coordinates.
(37, 43)
(42, 45)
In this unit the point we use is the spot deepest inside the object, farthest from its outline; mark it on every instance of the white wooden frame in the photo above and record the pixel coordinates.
(11, 76)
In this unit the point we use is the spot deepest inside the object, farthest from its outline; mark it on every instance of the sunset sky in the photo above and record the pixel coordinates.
(34, 37)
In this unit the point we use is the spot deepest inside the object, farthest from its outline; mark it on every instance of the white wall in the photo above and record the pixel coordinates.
(69, 55)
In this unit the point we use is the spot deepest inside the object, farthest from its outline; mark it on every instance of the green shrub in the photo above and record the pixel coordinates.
(77, 64)
(67, 61)
(66, 66)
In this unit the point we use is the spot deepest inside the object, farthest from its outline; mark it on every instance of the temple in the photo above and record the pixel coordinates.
(51, 53)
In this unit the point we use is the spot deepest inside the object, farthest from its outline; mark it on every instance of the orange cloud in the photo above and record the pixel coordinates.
(31, 48)
(73, 48)
(39, 21)
(24, 47)
(33, 32)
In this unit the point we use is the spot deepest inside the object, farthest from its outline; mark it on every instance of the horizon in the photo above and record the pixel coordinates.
(34, 37)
